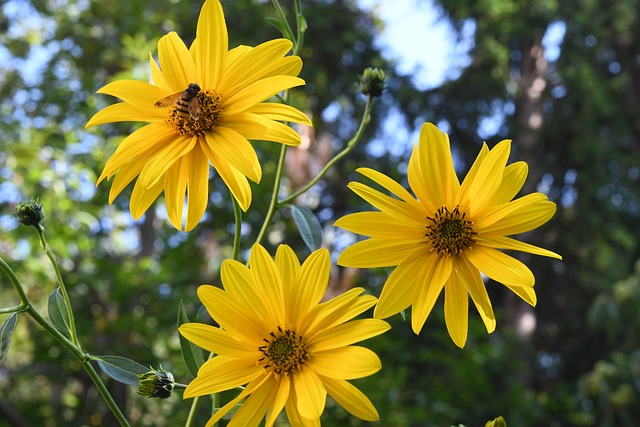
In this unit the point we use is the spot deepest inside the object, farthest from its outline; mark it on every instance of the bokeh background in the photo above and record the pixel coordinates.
(572, 109)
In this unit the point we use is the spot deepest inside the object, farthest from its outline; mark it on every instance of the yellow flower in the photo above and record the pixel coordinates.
(276, 338)
(449, 234)
(172, 153)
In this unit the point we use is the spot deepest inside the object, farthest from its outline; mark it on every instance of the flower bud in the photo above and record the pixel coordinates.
(372, 82)
(156, 383)
(498, 422)
(30, 213)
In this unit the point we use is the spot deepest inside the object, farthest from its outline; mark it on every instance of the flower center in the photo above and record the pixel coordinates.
(450, 232)
(284, 352)
(207, 109)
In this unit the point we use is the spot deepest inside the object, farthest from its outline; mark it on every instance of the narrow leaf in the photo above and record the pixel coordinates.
(6, 332)
(58, 313)
(308, 225)
(120, 368)
(191, 353)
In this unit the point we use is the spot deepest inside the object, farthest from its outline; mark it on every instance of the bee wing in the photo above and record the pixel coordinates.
(194, 108)
(168, 100)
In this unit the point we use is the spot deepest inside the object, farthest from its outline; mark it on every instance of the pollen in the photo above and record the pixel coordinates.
(449, 231)
(210, 107)
(284, 351)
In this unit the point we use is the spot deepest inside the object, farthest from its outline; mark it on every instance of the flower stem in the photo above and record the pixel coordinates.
(72, 325)
(64, 341)
(16, 309)
(366, 118)
(237, 213)
(274, 195)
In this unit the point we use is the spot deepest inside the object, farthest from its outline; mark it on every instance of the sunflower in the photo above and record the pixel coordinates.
(448, 235)
(275, 339)
(204, 105)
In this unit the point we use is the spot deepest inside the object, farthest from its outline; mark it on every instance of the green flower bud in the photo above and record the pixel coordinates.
(156, 383)
(498, 422)
(30, 213)
(372, 82)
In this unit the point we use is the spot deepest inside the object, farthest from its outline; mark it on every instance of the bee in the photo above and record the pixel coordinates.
(187, 103)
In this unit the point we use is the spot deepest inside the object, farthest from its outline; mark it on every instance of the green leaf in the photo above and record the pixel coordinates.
(58, 313)
(6, 332)
(308, 225)
(281, 26)
(191, 353)
(120, 368)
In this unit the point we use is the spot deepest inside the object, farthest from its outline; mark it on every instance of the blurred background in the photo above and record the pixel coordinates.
(562, 79)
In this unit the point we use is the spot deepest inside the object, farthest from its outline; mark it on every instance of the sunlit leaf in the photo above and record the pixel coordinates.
(6, 332)
(120, 368)
(308, 225)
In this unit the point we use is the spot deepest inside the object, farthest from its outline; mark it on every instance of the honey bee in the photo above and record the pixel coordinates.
(187, 103)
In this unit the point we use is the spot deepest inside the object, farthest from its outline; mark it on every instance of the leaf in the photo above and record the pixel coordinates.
(281, 26)
(191, 353)
(308, 225)
(58, 313)
(120, 368)
(6, 332)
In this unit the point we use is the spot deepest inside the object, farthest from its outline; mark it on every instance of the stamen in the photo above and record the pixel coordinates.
(210, 104)
(450, 232)
(284, 352)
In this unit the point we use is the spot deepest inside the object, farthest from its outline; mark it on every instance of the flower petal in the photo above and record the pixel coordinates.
(254, 385)
(157, 76)
(236, 150)
(258, 92)
(390, 185)
(222, 373)
(279, 400)
(335, 311)
(238, 281)
(382, 225)
(155, 168)
(177, 64)
(282, 112)
(527, 294)
(434, 275)
(293, 415)
(254, 409)
(124, 112)
(253, 126)
(456, 310)
(267, 282)
(350, 398)
(399, 289)
(345, 363)
(400, 210)
(142, 198)
(140, 95)
(198, 187)
(310, 284)
(489, 176)
(379, 252)
(514, 177)
(500, 242)
(500, 267)
(462, 199)
(519, 216)
(347, 334)
(175, 187)
(218, 341)
(310, 392)
(212, 44)
(472, 281)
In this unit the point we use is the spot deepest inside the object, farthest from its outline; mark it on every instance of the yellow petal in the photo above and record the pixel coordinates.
(519, 216)
(124, 112)
(350, 398)
(282, 112)
(462, 198)
(472, 281)
(400, 210)
(489, 176)
(140, 95)
(234, 179)
(253, 126)
(279, 400)
(175, 187)
(500, 267)
(514, 177)
(253, 410)
(250, 67)
(293, 415)
(226, 309)
(382, 225)
(218, 341)
(436, 165)
(500, 242)
(527, 294)
(456, 310)
(288, 265)
(335, 311)
(310, 284)
(212, 44)
(142, 198)
(399, 289)
(177, 64)
(198, 187)
(157, 76)
(222, 373)
(310, 392)
(390, 185)
(258, 92)
(236, 150)
(155, 168)
(347, 334)
(346, 363)
(379, 252)
(237, 279)
(267, 281)
(434, 275)
(256, 384)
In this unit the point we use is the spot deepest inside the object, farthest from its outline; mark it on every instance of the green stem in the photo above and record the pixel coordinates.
(366, 118)
(274, 195)
(301, 27)
(192, 411)
(237, 214)
(65, 342)
(63, 288)
(286, 28)
(16, 309)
